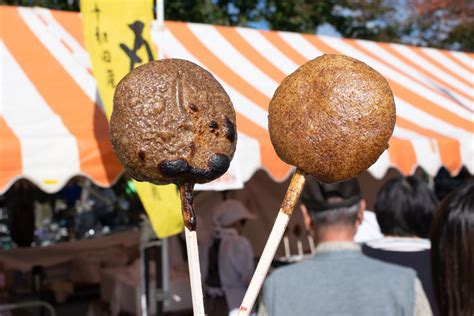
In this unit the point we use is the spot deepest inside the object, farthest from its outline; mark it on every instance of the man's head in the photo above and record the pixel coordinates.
(335, 209)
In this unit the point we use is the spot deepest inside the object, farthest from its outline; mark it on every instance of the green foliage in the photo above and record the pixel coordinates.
(441, 24)
(220, 12)
(69, 5)
(298, 15)
(461, 37)
(371, 20)
(349, 17)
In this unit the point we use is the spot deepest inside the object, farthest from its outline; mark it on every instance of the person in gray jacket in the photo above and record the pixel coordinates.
(339, 279)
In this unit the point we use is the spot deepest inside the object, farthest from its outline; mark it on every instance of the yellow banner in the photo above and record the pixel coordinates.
(117, 37)
(166, 218)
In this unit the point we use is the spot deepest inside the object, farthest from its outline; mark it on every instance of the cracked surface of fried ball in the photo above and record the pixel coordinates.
(173, 122)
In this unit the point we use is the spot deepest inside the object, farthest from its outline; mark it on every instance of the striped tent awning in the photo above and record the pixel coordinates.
(52, 126)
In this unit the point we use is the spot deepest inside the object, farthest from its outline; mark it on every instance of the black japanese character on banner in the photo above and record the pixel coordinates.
(111, 78)
(97, 35)
(137, 28)
(106, 56)
(96, 12)
(100, 36)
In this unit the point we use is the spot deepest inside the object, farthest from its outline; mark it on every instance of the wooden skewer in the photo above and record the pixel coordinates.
(189, 216)
(299, 243)
(289, 202)
(311, 243)
(286, 244)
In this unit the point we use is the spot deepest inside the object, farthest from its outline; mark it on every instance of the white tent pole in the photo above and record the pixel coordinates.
(160, 19)
(143, 277)
(165, 266)
(160, 12)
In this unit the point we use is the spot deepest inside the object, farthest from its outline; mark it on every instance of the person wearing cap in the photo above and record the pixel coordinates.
(339, 279)
(228, 261)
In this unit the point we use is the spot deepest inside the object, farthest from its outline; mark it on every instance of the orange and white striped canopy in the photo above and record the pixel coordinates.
(52, 126)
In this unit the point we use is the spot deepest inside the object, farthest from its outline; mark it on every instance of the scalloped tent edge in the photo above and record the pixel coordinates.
(48, 140)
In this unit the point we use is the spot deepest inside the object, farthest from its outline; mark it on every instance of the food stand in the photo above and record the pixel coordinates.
(47, 140)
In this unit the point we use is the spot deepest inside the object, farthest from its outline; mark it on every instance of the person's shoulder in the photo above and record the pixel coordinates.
(382, 267)
(276, 276)
(238, 244)
(282, 273)
(400, 244)
(242, 241)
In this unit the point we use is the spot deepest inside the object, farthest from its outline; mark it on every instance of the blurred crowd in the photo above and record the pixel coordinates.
(412, 255)
(81, 209)
(422, 263)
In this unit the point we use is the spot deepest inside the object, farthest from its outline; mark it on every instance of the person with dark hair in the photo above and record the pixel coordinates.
(20, 200)
(445, 183)
(452, 254)
(404, 209)
(339, 279)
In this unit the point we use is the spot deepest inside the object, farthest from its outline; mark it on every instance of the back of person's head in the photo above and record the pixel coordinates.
(228, 212)
(452, 252)
(332, 204)
(405, 207)
(444, 182)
